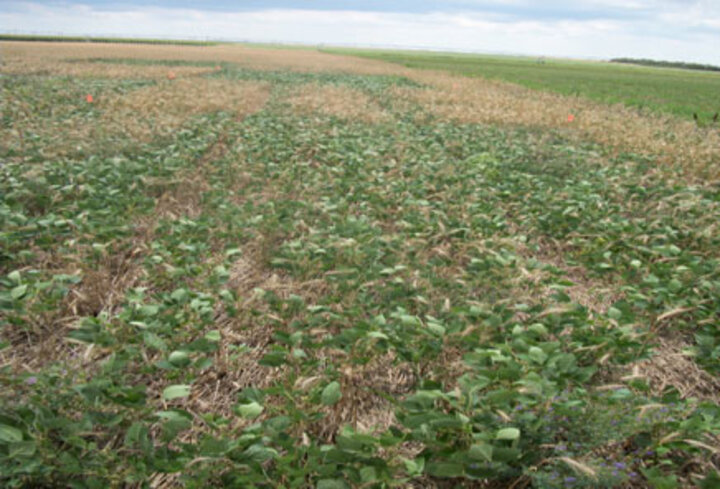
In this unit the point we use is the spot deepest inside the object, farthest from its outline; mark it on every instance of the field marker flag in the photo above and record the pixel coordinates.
(171, 75)
(89, 98)
(571, 118)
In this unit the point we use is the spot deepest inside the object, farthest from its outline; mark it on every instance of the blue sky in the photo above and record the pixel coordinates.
(686, 30)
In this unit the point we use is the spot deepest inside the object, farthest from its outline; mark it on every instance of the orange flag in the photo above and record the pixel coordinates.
(89, 98)
(571, 117)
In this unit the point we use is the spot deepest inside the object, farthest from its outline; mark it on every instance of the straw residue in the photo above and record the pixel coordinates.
(337, 101)
(18, 56)
(157, 109)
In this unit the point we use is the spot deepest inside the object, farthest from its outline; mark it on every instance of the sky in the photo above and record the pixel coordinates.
(678, 30)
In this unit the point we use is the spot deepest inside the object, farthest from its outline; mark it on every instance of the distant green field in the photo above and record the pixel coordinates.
(674, 91)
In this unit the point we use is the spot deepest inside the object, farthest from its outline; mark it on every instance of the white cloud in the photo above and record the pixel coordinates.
(660, 37)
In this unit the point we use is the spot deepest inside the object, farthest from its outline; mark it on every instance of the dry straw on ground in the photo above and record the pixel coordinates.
(139, 115)
(43, 340)
(672, 367)
(18, 56)
(84, 69)
(338, 101)
(157, 109)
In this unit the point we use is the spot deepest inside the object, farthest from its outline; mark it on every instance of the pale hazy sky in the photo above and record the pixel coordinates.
(687, 30)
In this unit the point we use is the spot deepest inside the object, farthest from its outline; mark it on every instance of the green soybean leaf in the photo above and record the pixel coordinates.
(19, 291)
(538, 329)
(174, 415)
(213, 336)
(537, 355)
(414, 467)
(179, 359)
(273, 359)
(154, 341)
(21, 449)
(368, 474)
(331, 484)
(331, 393)
(481, 451)
(176, 392)
(260, 454)
(8, 434)
(250, 411)
(508, 434)
(442, 469)
(180, 295)
(658, 480)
